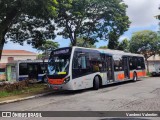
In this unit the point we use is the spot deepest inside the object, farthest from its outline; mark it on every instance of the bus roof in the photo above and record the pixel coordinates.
(27, 61)
(111, 52)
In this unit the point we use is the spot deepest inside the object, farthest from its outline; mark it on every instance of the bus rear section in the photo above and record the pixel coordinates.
(81, 68)
(129, 67)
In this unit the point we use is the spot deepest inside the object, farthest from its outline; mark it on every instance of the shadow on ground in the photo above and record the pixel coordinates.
(70, 92)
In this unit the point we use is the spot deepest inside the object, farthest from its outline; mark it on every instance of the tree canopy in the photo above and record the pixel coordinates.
(35, 21)
(30, 20)
(88, 44)
(145, 42)
(103, 47)
(46, 48)
(124, 45)
(92, 20)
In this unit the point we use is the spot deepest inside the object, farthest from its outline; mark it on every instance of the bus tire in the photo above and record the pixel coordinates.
(135, 77)
(96, 83)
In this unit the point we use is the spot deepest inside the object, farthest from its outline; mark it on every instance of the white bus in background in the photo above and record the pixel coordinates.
(75, 68)
(26, 69)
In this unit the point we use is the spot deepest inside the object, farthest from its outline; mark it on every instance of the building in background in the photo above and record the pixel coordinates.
(154, 64)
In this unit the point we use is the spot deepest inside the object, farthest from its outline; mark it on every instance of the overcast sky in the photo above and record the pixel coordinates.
(140, 12)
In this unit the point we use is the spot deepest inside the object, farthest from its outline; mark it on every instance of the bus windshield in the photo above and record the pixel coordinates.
(58, 65)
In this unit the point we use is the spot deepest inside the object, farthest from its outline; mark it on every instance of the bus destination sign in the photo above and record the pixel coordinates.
(63, 51)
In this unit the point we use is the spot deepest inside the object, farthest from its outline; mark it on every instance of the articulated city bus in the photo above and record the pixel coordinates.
(26, 69)
(75, 68)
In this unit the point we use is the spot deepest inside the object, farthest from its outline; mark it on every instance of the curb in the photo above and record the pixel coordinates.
(25, 98)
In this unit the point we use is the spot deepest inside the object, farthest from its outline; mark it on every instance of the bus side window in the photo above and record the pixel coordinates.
(103, 66)
(82, 63)
(41, 68)
(79, 61)
(75, 61)
(118, 65)
(132, 63)
(140, 63)
(95, 62)
(23, 69)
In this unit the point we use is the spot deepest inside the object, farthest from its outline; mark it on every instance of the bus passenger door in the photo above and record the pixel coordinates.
(110, 72)
(126, 67)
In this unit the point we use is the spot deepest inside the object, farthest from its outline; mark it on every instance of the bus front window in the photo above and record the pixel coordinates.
(58, 65)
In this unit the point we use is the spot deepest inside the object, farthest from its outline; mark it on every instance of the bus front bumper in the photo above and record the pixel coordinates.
(55, 87)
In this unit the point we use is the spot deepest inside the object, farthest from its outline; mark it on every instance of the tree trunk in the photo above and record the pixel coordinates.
(74, 43)
(74, 39)
(113, 42)
(2, 41)
(147, 65)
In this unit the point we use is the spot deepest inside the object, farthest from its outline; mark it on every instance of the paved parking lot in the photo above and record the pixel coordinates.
(143, 95)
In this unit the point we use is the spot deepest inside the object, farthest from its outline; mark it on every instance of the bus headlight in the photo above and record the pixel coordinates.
(67, 79)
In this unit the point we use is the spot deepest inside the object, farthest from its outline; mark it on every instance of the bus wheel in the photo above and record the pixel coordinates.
(135, 77)
(96, 83)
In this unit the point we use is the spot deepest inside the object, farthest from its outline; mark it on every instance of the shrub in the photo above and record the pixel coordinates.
(16, 86)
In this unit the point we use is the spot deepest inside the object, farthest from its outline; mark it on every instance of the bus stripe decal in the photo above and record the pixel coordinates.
(120, 77)
(140, 74)
(131, 75)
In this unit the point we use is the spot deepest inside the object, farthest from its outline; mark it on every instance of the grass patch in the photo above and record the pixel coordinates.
(4, 94)
(30, 89)
(149, 74)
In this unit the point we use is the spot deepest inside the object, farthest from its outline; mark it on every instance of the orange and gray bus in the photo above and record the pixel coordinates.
(76, 68)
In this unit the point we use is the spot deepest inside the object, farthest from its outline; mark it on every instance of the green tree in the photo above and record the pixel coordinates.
(30, 20)
(124, 45)
(88, 43)
(46, 48)
(145, 42)
(48, 45)
(92, 20)
(103, 47)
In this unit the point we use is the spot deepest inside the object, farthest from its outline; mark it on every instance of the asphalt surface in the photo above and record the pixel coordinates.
(143, 95)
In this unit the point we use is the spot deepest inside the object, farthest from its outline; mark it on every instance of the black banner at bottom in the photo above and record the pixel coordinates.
(80, 114)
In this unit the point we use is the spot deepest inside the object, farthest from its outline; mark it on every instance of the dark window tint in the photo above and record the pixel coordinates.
(95, 62)
(23, 69)
(136, 63)
(80, 64)
(2, 69)
(140, 63)
(103, 64)
(43, 67)
(85, 62)
(118, 65)
(133, 63)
